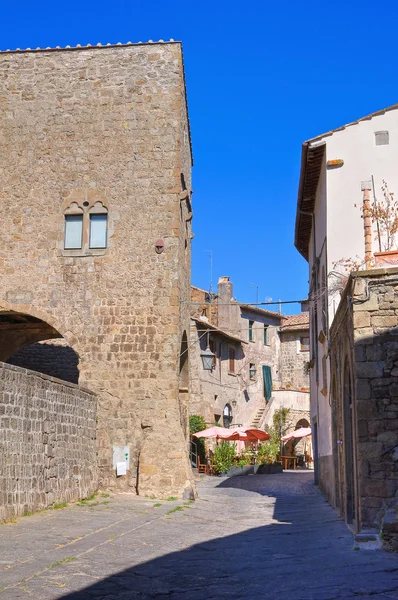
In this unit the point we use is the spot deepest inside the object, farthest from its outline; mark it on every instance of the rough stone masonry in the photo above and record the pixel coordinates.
(47, 441)
(104, 130)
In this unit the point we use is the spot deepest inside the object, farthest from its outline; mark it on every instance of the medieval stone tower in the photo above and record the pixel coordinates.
(95, 187)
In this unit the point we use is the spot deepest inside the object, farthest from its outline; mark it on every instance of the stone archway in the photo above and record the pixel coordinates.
(302, 445)
(183, 386)
(18, 330)
(32, 343)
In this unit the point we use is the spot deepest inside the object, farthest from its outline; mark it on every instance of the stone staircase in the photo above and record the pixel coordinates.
(258, 418)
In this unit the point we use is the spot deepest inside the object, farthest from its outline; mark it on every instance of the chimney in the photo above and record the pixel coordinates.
(366, 186)
(225, 290)
(305, 306)
(225, 307)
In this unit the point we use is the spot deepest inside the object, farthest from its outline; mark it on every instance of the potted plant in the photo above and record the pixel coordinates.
(223, 458)
(267, 454)
(384, 213)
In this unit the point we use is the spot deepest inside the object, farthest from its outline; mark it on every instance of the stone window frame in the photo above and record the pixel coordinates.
(85, 203)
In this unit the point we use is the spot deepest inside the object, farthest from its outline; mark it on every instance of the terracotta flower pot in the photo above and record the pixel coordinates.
(386, 259)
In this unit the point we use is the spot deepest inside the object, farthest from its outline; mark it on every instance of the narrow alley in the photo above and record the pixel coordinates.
(260, 537)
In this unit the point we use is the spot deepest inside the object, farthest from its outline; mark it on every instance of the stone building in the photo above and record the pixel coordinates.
(364, 401)
(95, 188)
(259, 362)
(336, 169)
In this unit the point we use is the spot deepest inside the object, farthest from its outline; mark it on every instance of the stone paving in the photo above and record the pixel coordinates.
(262, 537)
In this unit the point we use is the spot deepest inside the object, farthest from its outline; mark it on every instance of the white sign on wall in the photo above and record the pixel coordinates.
(121, 454)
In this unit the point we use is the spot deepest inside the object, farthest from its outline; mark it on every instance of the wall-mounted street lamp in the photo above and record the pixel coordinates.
(207, 357)
(252, 371)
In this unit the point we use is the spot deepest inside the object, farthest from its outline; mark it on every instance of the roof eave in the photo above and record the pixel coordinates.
(306, 194)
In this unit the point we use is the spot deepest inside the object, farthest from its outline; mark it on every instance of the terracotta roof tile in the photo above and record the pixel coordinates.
(80, 47)
(296, 322)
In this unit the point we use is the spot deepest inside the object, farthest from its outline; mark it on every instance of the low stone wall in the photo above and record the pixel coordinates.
(47, 441)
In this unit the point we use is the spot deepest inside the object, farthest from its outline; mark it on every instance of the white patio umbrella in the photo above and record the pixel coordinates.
(299, 433)
(214, 432)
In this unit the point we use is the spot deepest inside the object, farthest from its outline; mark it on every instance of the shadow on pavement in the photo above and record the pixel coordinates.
(273, 485)
(304, 552)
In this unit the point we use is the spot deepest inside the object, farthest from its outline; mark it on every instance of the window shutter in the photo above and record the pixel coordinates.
(267, 378)
(251, 323)
(98, 230)
(73, 231)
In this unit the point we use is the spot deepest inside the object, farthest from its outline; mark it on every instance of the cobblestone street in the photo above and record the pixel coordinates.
(256, 537)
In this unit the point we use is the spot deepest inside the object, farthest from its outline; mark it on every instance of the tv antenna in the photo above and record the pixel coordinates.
(210, 252)
(256, 286)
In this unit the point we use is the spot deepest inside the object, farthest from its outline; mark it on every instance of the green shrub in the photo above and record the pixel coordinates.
(245, 458)
(196, 423)
(224, 455)
(269, 450)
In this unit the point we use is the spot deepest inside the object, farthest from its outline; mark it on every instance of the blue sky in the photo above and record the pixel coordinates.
(262, 77)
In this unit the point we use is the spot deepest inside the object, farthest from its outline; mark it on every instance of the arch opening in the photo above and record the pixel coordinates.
(31, 343)
(302, 423)
(227, 415)
(183, 392)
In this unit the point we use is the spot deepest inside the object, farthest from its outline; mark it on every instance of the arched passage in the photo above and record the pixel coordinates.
(183, 391)
(29, 342)
(302, 423)
(18, 330)
(301, 446)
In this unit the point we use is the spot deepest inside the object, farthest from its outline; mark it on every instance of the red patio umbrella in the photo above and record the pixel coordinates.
(246, 435)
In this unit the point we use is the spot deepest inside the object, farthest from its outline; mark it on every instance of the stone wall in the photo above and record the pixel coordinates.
(54, 358)
(47, 441)
(298, 405)
(106, 125)
(364, 362)
(293, 360)
(210, 391)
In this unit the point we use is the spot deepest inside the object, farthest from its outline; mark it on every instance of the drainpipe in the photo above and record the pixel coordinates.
(366, 186)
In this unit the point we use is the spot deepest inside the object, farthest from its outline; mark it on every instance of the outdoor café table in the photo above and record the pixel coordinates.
(285, 461)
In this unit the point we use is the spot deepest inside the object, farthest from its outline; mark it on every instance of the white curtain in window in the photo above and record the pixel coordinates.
(98, 230)
(73, 231)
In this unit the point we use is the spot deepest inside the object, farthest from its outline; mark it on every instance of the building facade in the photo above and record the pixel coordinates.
(95, 191)
(337, 169)
(259, 364)
(364, 402)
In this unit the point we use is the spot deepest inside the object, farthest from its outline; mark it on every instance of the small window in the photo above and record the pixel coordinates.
(304, 344)
(382, 138)
(73, 231)
(251, 338)
(227, 415)
(231, 356)
(265, 335)
(98, 227)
